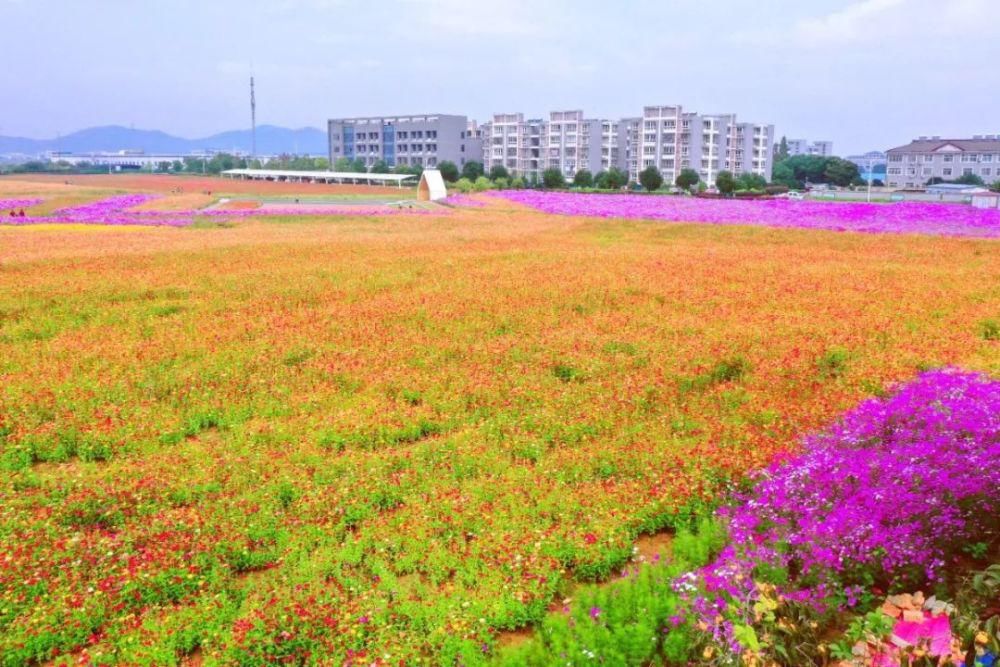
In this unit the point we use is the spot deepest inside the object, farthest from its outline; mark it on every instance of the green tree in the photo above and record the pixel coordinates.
(969, 179)
(781, 150)
(996, 186)
(517, 183)
(358, 166)
(616, 179)
(481, 184)
(725, 182)
(651, 178)
(463, 185)
(449, 171)
(380, 167)
(343, 164)
(583, 179)
(840, 172)
(163, 166)
(553, 178)
(748, 181)
(498, 171)
(687, 179)
(177, 165)
(472, 170)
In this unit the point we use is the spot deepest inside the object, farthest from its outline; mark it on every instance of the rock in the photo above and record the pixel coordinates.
(891, 610)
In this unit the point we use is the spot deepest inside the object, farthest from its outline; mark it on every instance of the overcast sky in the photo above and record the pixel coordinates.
(864, 73)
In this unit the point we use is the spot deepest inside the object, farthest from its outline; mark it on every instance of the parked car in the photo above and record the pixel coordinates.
(797, 196)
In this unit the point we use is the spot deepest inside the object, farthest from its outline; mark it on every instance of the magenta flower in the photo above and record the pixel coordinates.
(898, 217)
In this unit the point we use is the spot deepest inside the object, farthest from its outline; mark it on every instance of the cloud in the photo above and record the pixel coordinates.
(461, 18)
(881, 20)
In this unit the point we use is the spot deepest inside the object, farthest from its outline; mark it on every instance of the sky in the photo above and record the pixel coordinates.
(866, 74)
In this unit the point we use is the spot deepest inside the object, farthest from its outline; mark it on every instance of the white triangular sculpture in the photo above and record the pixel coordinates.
(431, 186)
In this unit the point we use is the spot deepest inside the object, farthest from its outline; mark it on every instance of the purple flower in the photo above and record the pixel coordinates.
(898, 217)
(595, 612)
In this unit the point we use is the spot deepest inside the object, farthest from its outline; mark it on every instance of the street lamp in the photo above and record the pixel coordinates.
(870, 167)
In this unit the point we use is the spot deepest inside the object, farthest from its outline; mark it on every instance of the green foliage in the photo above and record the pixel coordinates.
(498, 171)
(612, 179)
(553, 178)
(725, 182)
(990, 329)
(482, 184)
(566, 373)
(449, 171)
(631, 621)
(472, 170)
(343, 164)
(748, 181)
(517, 183)
(583, 179)
(464, 185)
(380, 167)
(687, 179)
(651, 178)
(969, 179)
(872, 628)
(725, 370)
(833, 362)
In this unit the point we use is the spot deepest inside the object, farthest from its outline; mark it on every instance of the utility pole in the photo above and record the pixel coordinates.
(253, 123)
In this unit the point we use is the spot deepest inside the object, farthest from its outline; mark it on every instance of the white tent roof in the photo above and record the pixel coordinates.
(332, 175)
(431, 185)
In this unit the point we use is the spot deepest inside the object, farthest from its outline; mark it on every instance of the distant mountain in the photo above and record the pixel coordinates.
(271, 140)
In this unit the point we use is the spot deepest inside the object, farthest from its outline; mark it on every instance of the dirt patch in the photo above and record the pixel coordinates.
(651, 548)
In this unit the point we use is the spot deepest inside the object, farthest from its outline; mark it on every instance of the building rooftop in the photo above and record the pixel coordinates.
(931, 144)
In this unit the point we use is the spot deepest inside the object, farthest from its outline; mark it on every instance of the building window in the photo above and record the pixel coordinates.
(987, 171)
(949, 158)
(947, 171)
(895, 158)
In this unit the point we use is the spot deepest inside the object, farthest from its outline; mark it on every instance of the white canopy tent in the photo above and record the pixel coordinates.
(318, 176)
(431, 186)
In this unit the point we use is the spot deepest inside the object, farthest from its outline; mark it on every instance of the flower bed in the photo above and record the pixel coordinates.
(121, 210)
(18, 204)
(887, 497)
(901, 217)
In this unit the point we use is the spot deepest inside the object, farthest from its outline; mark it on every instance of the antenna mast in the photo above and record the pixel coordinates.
(253, 122)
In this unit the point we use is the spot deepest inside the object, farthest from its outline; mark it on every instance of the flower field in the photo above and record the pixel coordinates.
(896, 218)
(391, 439)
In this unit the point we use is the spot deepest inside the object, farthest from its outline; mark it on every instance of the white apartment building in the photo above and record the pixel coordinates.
(515, 143)
(573, 143)
(665, 137)
(660, 140)
(618, 141)
(806, 147)
(673, 140)
(914, 164)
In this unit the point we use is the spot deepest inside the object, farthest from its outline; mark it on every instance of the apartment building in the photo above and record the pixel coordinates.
(751, 149)
(618, 139)
(806, 147)
(573, 143)
(423, 140)
(665, 137)
(516, 143)
(673, 140)
(925, 158)
(659, 141)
